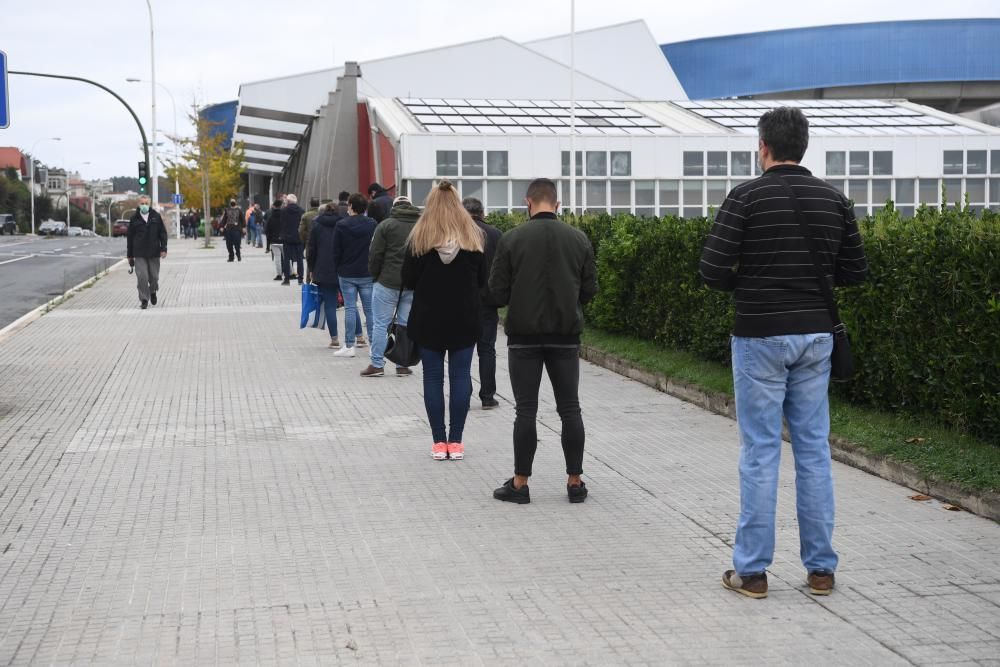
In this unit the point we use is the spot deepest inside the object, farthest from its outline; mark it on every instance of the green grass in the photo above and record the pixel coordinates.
(935, 451)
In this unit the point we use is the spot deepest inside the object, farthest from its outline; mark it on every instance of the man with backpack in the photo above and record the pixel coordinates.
(232, 221)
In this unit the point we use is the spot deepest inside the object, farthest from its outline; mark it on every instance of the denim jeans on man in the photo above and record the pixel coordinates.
(330, 293)
(562, 362)
(774, 376)
(383, 306)
(352, 288)
(291, 252)
(459, 389)
(486, 348)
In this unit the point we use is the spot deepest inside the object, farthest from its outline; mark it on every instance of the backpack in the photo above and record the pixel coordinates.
(233, 216)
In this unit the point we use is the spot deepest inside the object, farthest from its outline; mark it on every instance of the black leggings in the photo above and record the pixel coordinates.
(563, 367)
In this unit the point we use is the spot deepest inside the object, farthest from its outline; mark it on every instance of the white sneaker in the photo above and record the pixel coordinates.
(344, 352)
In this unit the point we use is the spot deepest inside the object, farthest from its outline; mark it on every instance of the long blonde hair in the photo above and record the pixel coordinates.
(444, 219)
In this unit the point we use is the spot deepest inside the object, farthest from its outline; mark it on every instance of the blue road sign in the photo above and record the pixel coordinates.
(178, 199)
(4, 95)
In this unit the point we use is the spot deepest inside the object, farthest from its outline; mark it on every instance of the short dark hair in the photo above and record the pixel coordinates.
(276, 203)
(374, 188)
(357, 202)
(542, 190)
(344, 195)
(785, 131)
(314, 202)
(473, 206)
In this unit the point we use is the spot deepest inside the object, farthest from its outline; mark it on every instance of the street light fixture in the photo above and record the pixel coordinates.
(33, 177)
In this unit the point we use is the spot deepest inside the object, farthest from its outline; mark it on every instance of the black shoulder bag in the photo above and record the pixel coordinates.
(842, 360)
(399, 347)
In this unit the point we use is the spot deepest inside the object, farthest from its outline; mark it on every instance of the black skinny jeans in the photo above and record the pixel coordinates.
(563, 367)
(487, 350)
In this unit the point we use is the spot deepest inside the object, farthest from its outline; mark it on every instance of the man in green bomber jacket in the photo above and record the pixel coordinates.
(544, 271)
(385, 264)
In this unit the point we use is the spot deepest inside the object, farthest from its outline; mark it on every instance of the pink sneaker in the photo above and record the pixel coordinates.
(440, 451)
(456, 451)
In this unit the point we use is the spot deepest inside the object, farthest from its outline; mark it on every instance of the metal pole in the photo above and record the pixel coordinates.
(152, 67)
(572, 106)
(32, 165)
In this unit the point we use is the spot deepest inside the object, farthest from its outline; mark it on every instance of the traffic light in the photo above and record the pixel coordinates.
(143, 178)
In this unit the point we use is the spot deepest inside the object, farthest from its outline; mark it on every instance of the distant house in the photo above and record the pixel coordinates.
(11, 157)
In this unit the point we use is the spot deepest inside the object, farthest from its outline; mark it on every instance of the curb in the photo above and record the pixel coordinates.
(985, 504)
(33, 315)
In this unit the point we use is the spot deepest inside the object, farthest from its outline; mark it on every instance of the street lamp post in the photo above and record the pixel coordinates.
(93, 208)
(152, 67)
(32, 169)
(177, 186)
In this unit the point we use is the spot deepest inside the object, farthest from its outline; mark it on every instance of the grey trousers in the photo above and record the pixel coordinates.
(147, 274)
(276, 254)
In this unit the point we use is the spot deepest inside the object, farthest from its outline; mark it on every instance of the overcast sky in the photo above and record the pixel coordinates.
(206, 48)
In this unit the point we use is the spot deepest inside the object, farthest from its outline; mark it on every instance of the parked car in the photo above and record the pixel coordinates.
(7, 224)
(75, 231)
(120, 228)
(52, 228)
(88, 232)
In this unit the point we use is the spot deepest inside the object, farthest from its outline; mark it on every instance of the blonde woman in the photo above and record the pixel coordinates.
(444, 267)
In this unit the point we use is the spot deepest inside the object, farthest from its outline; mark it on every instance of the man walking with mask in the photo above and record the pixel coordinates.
(146, 246)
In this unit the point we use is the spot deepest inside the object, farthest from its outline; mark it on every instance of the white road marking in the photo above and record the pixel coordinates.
(16, 259)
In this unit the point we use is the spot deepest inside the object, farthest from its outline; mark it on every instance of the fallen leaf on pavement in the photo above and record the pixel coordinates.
(952, 508)
(920, 496)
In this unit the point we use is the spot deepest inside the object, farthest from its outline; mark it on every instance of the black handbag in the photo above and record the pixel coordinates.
(842, 359)
(399, 348)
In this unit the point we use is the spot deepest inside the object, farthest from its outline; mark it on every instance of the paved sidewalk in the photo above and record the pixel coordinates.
(203, 483)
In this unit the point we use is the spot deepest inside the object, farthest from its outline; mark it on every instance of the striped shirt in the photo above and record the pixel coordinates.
(756, 250)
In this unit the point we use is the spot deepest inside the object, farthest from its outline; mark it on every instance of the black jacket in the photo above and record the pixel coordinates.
(380, 206)
(351, 239)
(545, 271)
(291, 215)
(489, 254)
(445, 312)
(272, 225)
(146, 238)
(319, 252)
(233, 217)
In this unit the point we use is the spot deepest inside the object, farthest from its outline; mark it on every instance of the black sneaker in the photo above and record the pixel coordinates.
(230, 259)
(490, 403)
(143, 303)
(152, 298)
(577, 494)
(509, 494)
(285, 281)
(278, 277)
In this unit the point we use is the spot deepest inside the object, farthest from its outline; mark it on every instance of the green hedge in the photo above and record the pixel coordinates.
(925, 327)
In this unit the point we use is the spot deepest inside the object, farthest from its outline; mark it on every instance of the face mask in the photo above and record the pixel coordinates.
(144, 208)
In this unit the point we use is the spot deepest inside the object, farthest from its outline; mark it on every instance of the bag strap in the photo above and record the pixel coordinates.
(824, 284)
(399, 299)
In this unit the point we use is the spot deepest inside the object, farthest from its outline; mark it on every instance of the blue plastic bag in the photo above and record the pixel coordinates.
(312, 308)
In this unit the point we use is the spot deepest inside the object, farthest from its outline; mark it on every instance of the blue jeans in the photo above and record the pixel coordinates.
(383, 305)
(352, 288)
(330, 305)
(775, 376)
(460, 389)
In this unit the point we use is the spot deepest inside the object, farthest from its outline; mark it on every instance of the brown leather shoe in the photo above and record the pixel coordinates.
(820, 582)
(403, 370)
(752, 586)
(372, 372)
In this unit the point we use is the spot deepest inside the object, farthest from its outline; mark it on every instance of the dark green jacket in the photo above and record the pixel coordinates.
(544, 271)
(385, 256)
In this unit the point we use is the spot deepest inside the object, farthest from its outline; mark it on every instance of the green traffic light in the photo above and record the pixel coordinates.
(142, 180)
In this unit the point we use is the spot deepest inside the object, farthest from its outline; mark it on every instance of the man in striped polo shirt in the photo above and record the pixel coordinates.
(781, 343)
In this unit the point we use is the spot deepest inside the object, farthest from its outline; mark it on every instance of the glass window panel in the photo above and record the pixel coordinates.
(995, 191)
(975, 162)
(565, 163)
(669, 193)
(995, 162)
(953, 162)
(669, 210)
(881, 190)
(597, 195)
(692, 212)
(756, 164)
(473, 189)
(519, 189)
(621, 163)
(597, 163)
(905, 190)
(905, 211)
(930, 191)
(472, 163)
(447, 163)
(716, 193)
(860, 212)
(953, 190)
(693, 193)
(838, 184)
(694, 163)
(645, 212)
(740, 163)
(496, 163)
(882, 163)
(645, 193)
(496, 194)
(857, 190)
(976, 188)
(717, 163)
(621, 193)
(419, 189)
(859, 163)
